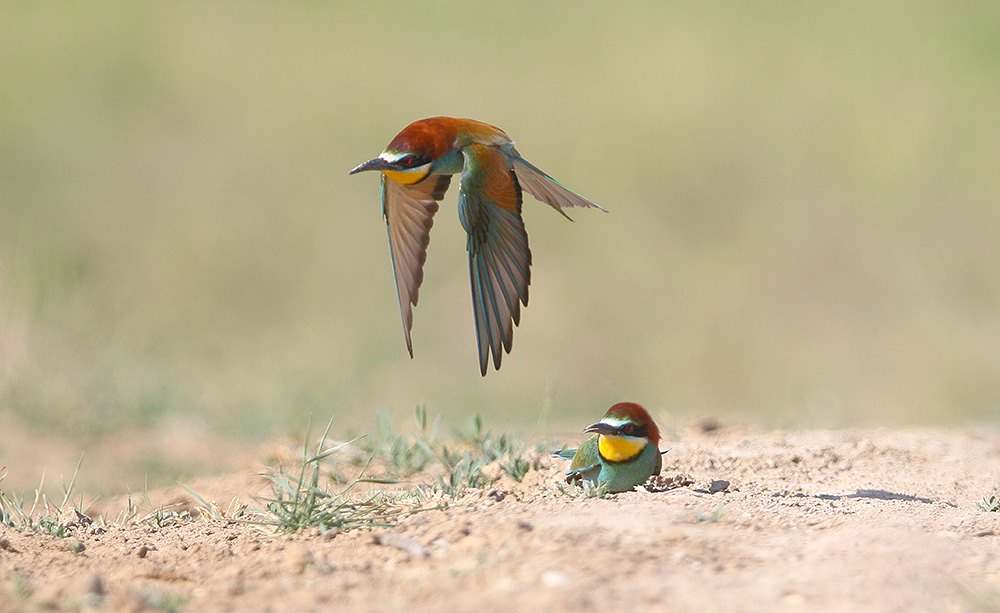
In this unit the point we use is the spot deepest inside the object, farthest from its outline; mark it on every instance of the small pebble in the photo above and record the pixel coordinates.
(719, 485)
(329, 535)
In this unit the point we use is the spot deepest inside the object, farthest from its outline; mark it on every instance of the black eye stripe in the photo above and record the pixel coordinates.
(632, 430)
(412, 161)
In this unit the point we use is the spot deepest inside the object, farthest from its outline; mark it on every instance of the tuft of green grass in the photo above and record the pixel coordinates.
(299, 502)
(463, 463)
(505, 449)
(160, 517)
(990, 504)
(62, 520)
(43, 516)
(404, 454)
(585, 489)
(461, 472)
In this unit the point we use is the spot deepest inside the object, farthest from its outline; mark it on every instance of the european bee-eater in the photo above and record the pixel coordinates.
(623, 452)
(416, 169)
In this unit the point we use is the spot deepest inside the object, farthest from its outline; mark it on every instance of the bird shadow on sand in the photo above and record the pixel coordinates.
(866, 494)
(658, 484)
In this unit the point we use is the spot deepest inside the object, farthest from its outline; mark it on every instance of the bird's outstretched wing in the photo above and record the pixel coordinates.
(489, 206)
(545, 188)
(409, 214)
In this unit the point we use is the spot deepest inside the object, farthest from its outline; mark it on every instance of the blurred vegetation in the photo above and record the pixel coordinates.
(804, 224)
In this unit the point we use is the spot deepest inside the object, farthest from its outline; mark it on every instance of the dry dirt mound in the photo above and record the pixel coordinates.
(810, 520)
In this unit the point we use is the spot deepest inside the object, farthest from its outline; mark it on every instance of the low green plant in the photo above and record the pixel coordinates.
(990, 504)
(300, 502)
(461, 472)
(505, 448)
(42, 516)
(585, 489)
(462, 462)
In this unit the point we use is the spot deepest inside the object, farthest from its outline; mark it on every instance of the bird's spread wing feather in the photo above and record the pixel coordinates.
(548, 190)
(489, 206)
(409, 214)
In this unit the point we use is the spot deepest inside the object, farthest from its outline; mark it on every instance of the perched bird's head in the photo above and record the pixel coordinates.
(624, 431)
(408, 158)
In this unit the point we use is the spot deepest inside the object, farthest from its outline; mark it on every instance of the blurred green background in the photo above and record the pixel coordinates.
(804, 221)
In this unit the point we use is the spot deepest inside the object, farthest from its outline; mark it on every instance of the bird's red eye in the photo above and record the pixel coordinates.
(407, 160)
(628, 428)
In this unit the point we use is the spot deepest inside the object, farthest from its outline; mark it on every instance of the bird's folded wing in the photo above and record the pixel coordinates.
(582, 471)
(489, 205)
(586, 461)
(409, 214)
(548, 190)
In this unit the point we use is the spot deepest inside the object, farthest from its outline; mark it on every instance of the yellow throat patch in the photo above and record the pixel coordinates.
(620, 448)
(408, 177)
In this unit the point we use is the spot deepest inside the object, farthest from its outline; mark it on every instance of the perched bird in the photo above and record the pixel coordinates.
(416, 169)
(623, 452)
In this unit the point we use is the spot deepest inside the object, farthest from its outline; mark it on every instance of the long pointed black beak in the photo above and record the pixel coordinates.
(601, 428)
(376, 164)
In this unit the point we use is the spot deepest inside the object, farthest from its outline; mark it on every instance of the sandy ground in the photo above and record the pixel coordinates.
(832, 520)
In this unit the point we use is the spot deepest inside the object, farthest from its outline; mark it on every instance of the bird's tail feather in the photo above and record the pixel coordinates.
(548, 190)
(564, 453)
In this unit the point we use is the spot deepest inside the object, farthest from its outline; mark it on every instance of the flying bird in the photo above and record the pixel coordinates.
(416, 170)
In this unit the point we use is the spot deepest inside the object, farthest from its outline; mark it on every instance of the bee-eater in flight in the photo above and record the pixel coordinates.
(416, 170)
(623, 452)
